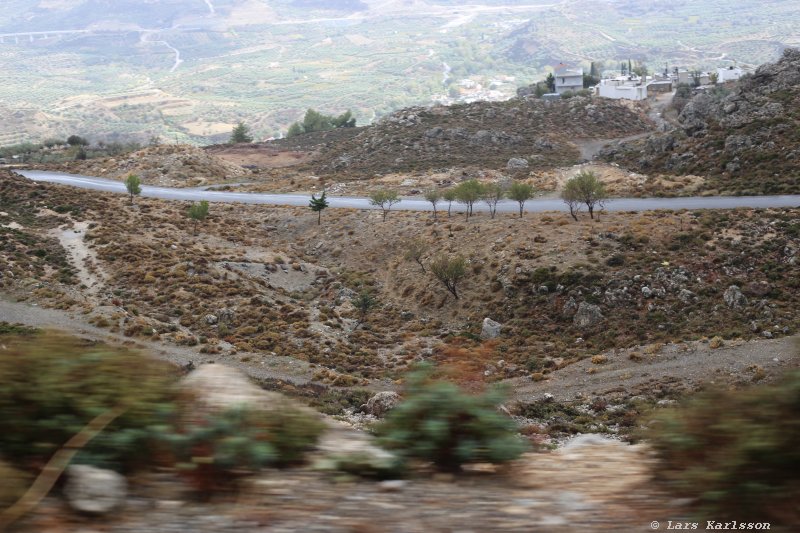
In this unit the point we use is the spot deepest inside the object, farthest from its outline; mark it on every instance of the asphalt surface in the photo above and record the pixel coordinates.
(411, 204)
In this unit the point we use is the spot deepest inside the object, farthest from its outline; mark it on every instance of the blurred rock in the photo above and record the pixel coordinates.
(94, 490)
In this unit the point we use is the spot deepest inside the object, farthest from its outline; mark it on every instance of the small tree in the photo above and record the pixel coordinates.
(468, 193)
(449, 196)
(241, 134)
(295, 129)
(133, 184)
(550, 81)
(77, 140)
(364, 303)
(433, 196)
(492, 194)
(415, 249)
(520, 193)
(198, 213)
(385, 199)
(449, 271)
(571, 197)
(590, 190)
(317, 205)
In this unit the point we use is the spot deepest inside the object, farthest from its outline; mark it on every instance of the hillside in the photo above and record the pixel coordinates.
(164, 165)
(482, 136)
(279, 283)
(742, 140)
(439, 143)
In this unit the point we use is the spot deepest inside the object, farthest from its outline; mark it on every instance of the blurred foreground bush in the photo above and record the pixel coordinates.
(53, 385)
(441, 423)
(13, 484)
(737, 452)
(215, 449)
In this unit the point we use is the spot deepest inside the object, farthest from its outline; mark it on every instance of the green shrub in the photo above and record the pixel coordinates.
(53, 385)
(440, 423)
(736, 452)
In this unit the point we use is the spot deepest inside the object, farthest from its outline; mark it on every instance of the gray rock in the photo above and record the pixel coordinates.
(587, 315)
(94, 490)
(211, 319)
(570, 307)
(516, 163)
(737, 143)
(734, 298)
(686, 296)
(382, 403)
(226, 315)
(490, 329)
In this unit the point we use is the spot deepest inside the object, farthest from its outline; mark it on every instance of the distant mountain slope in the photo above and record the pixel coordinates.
(745, 140)
(81, 14)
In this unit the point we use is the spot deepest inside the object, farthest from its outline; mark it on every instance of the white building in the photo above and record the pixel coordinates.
(622, 88)
(568, 78)
(729, 74)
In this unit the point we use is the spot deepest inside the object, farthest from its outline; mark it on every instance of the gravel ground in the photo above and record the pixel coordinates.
(681, 366)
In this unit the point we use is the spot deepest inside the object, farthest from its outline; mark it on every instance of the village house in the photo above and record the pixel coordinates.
(568, 79)
(729, 74)
(622, 88)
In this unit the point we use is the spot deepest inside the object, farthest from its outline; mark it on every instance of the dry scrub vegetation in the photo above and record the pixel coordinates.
(262, 280)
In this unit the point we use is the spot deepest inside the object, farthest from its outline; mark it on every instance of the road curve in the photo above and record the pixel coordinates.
(411, 204)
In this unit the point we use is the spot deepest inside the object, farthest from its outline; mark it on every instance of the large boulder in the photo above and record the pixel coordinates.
(94, 490)
(381, 403)
(490, 329)
(734, 298)
(587, 315)
(517, 163)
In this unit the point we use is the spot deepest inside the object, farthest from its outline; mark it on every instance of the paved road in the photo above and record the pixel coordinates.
(412, 204)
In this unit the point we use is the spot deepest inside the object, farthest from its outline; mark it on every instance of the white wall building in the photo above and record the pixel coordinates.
(729, 74)
(622, 88)
(568, 78)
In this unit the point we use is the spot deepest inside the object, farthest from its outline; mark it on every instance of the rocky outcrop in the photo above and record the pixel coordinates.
(743, 137)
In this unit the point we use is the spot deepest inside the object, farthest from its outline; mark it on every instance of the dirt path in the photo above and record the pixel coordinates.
(82, 258)
(674, 366)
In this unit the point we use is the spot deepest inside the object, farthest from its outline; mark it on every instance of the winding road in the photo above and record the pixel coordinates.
(410, 204)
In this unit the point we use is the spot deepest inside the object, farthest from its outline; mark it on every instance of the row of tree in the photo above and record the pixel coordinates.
(582, 189)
